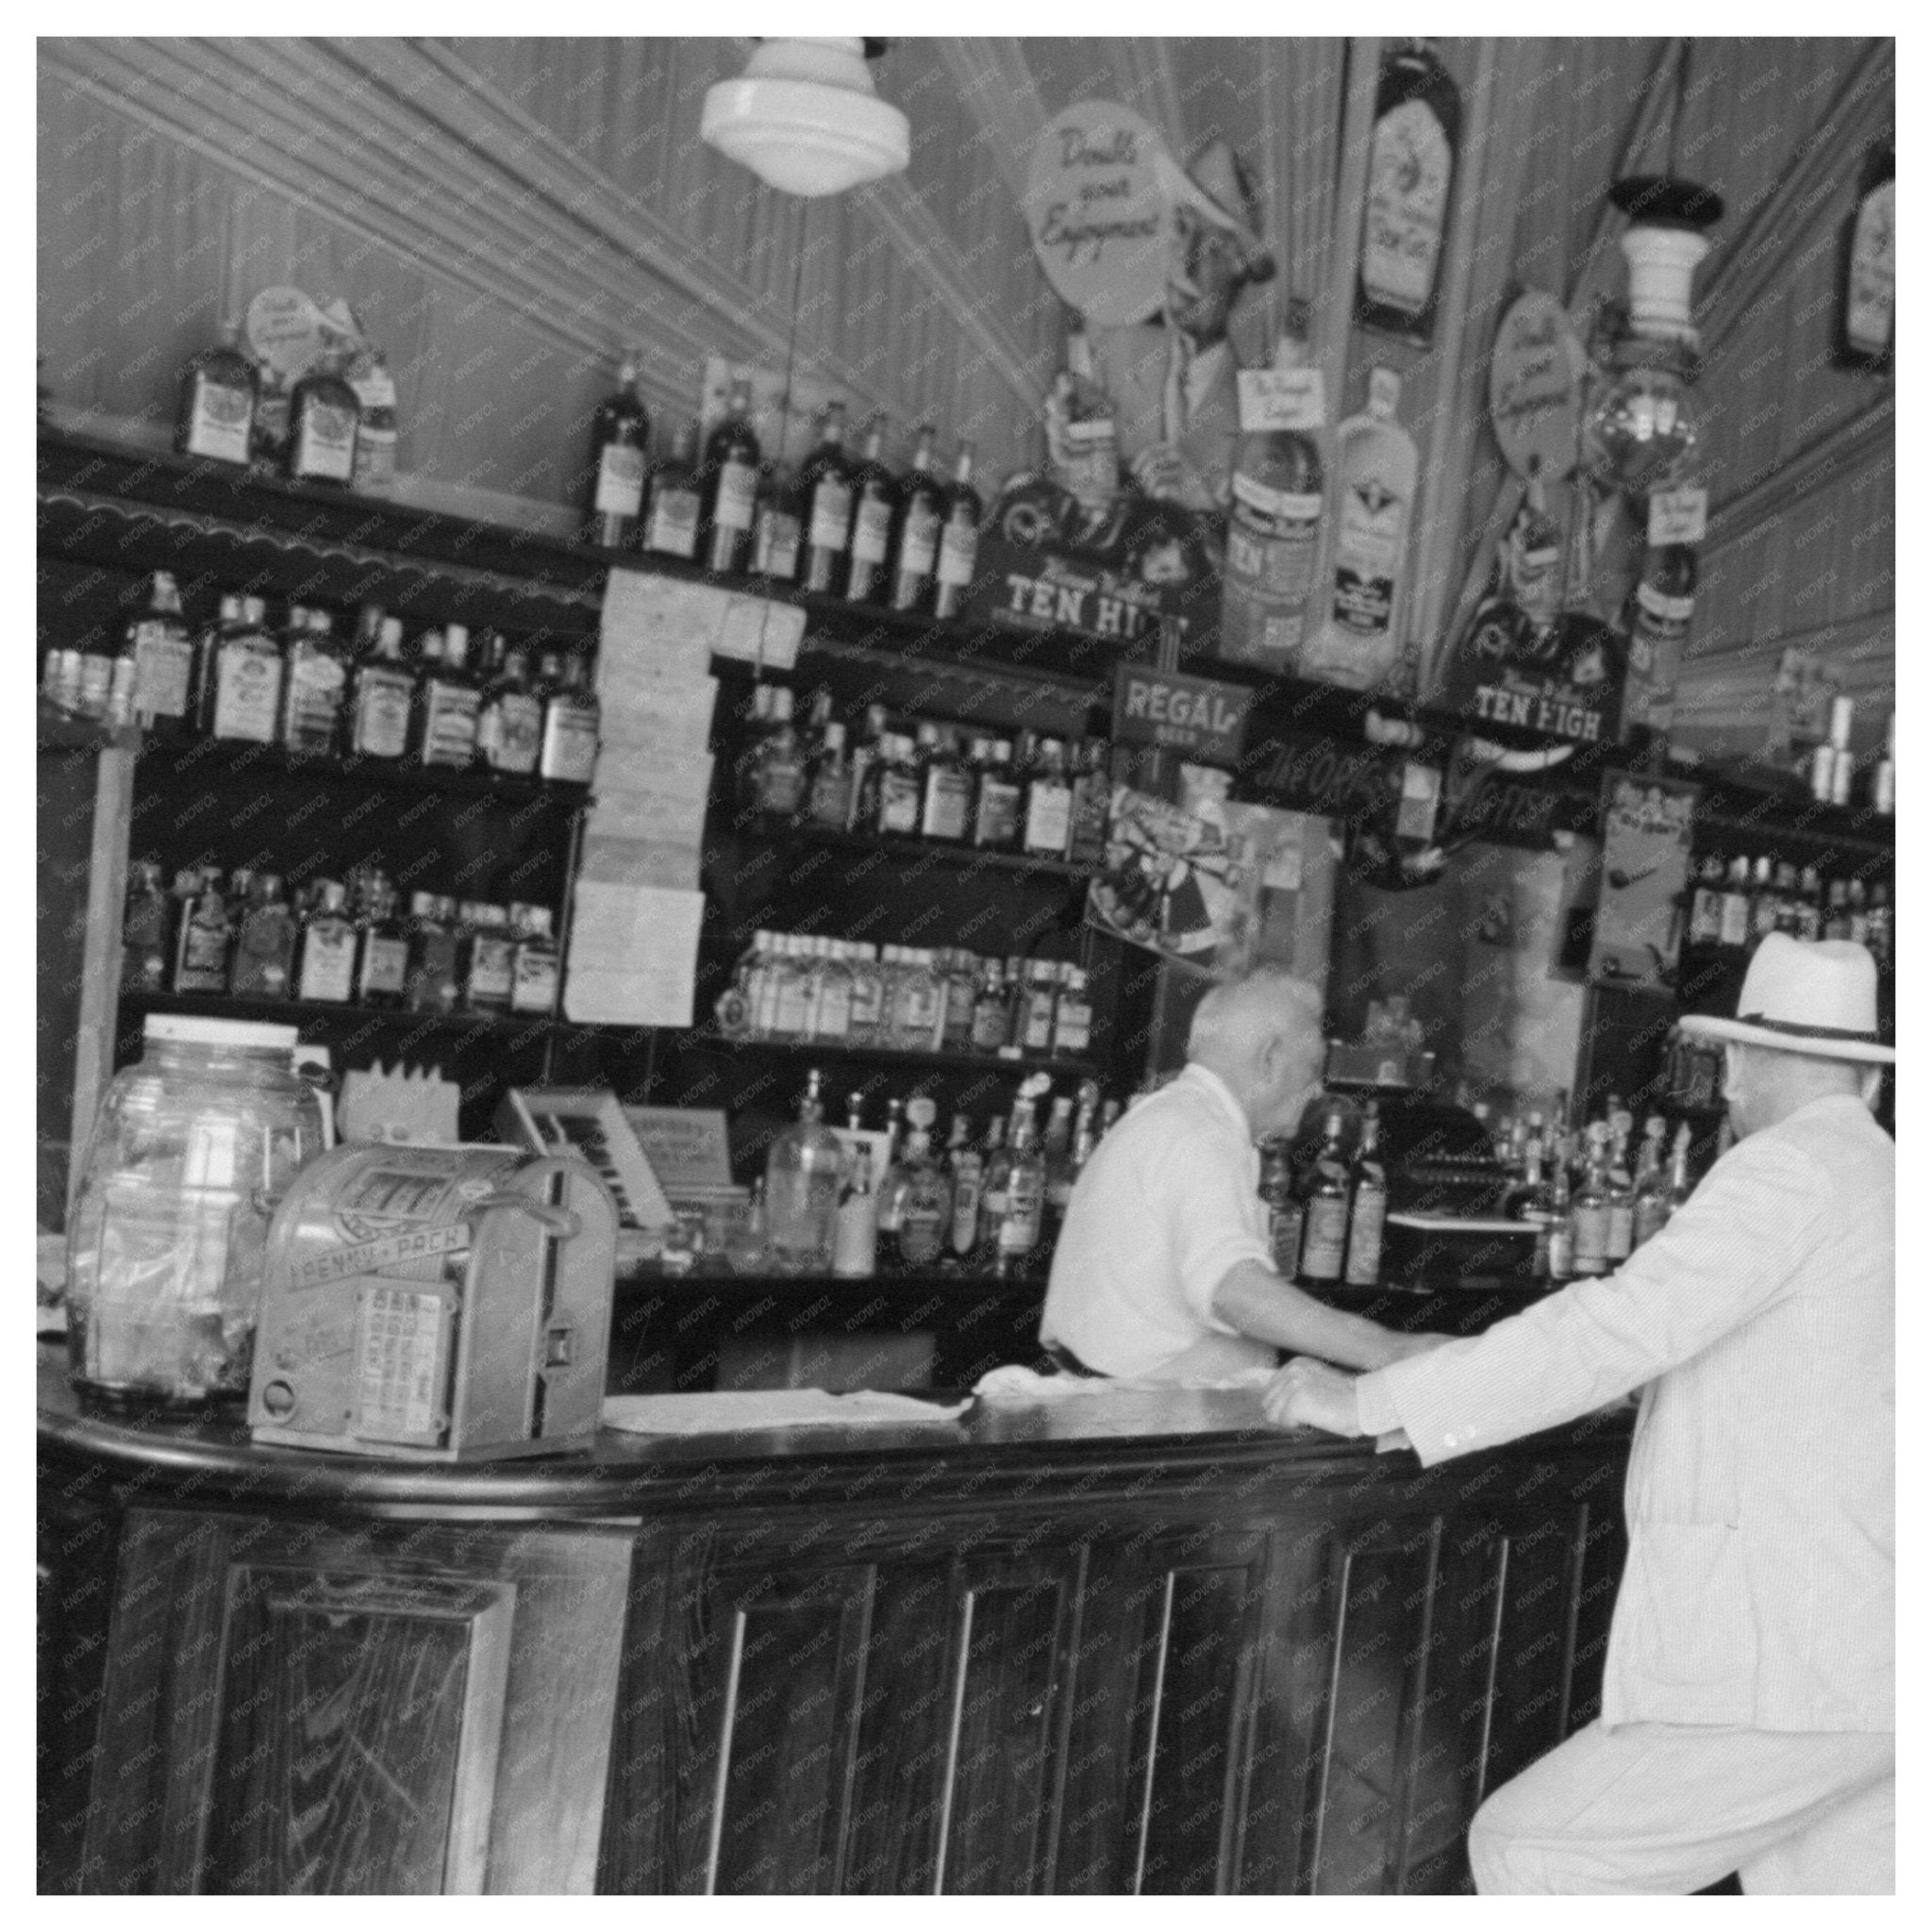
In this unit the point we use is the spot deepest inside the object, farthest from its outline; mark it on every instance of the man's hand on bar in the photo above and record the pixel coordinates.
(1312, 1394)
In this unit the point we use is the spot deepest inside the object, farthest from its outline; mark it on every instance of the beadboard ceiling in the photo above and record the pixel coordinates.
(504, 214)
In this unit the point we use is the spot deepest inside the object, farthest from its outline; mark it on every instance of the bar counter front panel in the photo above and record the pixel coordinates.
(1168, 1650)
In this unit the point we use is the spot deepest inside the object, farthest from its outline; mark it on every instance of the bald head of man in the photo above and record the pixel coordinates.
(1262, 1034)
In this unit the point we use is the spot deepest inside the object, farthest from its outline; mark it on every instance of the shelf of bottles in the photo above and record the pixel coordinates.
(314, 1015)
(922, 1058)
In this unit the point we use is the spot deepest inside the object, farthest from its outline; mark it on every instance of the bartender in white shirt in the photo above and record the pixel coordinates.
(1162, 1269)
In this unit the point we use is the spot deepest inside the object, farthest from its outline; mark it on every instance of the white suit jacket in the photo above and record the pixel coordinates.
(1758, 1588)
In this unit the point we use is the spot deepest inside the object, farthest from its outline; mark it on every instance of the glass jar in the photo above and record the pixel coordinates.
(192, 1149)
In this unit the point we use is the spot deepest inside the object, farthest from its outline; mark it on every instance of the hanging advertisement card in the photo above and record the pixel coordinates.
(1646, 863)
(1176, 882)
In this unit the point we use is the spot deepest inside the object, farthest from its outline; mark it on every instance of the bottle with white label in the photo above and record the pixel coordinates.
(1869, 253)
(325, 962)
(775, 528)
(509, 728)
(375, 423)
(570, 724)
(381, 692)
(314, 685)
(1357, 641)
(670, 506)
(163, 654)
(1048, 818)
(959, 539)
(534, 967)
(1275, 515)
(219, 388)
(824, 485)
(915, 535)
(1406, 213)
(447, 701)
(730, 485)
(324, 417)
(874, 499)
(620, 436)
(242, 698)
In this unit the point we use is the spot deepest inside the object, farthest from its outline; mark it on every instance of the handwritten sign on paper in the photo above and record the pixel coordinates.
(1281, 399)
(658, 623)
(1677, 516)
(633, 954)
(759, 630)
(687, 1146)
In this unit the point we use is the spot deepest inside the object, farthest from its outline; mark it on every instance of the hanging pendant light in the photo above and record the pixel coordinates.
(805, 117)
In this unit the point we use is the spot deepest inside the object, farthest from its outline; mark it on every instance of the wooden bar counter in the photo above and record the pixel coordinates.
(1145, 1643)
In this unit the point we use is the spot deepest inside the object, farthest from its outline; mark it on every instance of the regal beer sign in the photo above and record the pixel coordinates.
(1195, 715)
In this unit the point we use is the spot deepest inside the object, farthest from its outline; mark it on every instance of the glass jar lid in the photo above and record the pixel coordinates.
(177, 1029)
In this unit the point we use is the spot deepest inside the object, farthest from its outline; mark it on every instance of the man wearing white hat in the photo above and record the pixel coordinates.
(1747, 1705)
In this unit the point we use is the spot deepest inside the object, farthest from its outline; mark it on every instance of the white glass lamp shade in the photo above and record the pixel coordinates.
(804, 117)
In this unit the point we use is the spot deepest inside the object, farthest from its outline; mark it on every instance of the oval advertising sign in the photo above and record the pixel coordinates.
(1536, 386)
(1096, 211)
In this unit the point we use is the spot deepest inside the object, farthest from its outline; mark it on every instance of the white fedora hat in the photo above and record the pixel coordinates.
(1813, 996)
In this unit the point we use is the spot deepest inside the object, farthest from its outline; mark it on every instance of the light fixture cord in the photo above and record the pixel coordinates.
(785, 412)
(1677, 106)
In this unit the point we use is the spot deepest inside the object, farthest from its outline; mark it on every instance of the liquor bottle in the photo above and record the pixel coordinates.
(892, 782)
(1277, 1188)
(730, 485)
(1273, 524)
(776, 526)
(571, 715)
(996, 1162)
(1857, 919)
(163, 653)
(1734, 908)
(830, 794)
(832, 988)
(1650, 1201)
(875, 502)
(431, 986)
(1589, 1210)
(1884, 771)
(958, 970)
(216, 410)
(323, 415)
(1704, 922)
(1623, 1227)
(620, 435)
(671, 498)
(825, 489)
(802, 1171)
(203, 933)
(867, 1025)
(915, 1002)
(488, 959)
(1324, 1195)
(374, 390)
(1093, 801)
(968, 1171)
(1837, 918)
(1047, 818)
(1357, 637)
(261, 964)
(922, 1209)
(1057, 1151)
(242, 698)
(913, 546)
(447, 701)
(990, 1008)
(1024, 1198)
(1073, 1013)
(382, 961)
(1411, 171)
(315, 682)
(1679, 1188)
(856, 1222)
(996, 802)
(1034, 1030)
(1368, 1210)
(1764, 899)
(325, 953)
(1865, 317)
(1879, 925)
(381, 695)
(959, 539)
(946, 785)
(1656, 619)
(509, 726)
(144, 921)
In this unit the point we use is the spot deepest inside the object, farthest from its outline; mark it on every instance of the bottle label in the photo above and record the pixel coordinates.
(1364, 1267)
(791, 1013)
(1622, 1231)
(1025, 1204)
(570, 745)
(1285, 1238)
(492, 970)
(324, 442)
(868, 1001)
(1869, 291)
(449, 730)
(1038, 1036)
(1274, 506)
(833, 1018)
(218, 420)
(382, 714)
(948, 803)
(1049, 818)
(958, 552)
(248, 683)
(516, 733)
(1368, 554)
(919, 541)
(871, 528)
(831, 514)
(1589, 1239)
(329, 961)
(1407, 207)
(988, 1023)
(534, 988)
(204, 954)
(965, 1211)
(1073, 1025)
(918, 1011)
(376, 456)
(385, 965)
(1325, 1237)
(620, 491)
(1734, 927)
(262, 949)
(164, 662)
(738, 490)
(922, 1229)
(674, 527)
(775, 553)
(1663, 616)
(898, 802)
(998, 819)
(315, 696)
(97, 682)
(831, 796)
(432, 982)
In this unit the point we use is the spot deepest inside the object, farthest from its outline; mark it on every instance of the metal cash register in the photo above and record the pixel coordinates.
(435, 1303)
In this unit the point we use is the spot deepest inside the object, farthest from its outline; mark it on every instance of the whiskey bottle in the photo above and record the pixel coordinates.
(1277, 1188)
(144, 921)
(778, 773)
(243, 698)
(488, 963)
(324, 416)
(382, 958)
(1073, 1013)
(996, 802)
(1411, 169)
(534, 967)
(671, 503)
(1057, 1151)
(570, 724)
(216, 409)
(959, 539)
(922, 1209)
(996, 1164)
(203, 934)
(431, 985)
(326, 955)
(315, 681)
(1368, 1210)
(447, 701)
(1024, 1204)
(825, 483)
(1649, 1195)
(875, 500)
(1589, 1210)
(1092, 803)
(1324, 1197)
(162, 651)
(1047, 823)
(374, 390)
(619, 433)
(509, 725)
(990, 1008)
(945, 787)
(264, 953)
(895, 790)
(968, 1169)
(913, 545)
(730, 485)
(830, 795)
(856, 1226)
(380, 693)
(802, 1173)
(775, 530)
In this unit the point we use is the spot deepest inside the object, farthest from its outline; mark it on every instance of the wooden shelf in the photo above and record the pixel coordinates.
(315, 1013)
(237, 759)
(56, 731)
(845, 1050)
(914, 851)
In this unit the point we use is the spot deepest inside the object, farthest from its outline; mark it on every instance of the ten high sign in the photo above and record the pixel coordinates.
(1195, 715)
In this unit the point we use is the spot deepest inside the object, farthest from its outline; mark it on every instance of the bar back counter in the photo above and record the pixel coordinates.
(1135, 1644)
